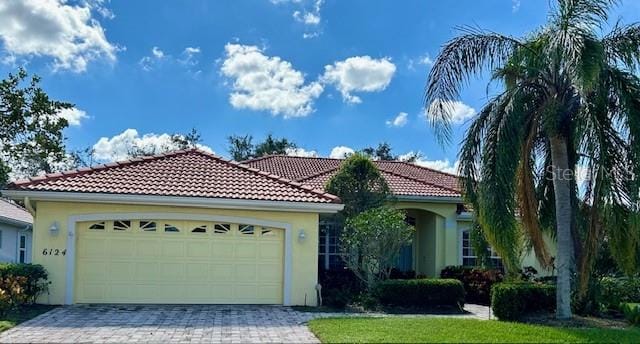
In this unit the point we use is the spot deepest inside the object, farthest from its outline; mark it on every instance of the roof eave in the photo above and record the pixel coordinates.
(14, 222)
(430, 199)
(201, 202)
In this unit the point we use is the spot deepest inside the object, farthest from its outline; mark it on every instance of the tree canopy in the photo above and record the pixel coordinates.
(31, 129)
(569, 101)
(242, 147)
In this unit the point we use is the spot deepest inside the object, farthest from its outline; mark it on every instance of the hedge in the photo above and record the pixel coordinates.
(21, 284)
(631, 312)
(510, 301)
(614, 291)
(420, 293)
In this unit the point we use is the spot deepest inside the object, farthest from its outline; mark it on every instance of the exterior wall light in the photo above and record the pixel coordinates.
(54, 229)
(302, 236)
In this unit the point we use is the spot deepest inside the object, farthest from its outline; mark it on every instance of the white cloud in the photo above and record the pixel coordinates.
(460, 112)
(515, 5)
(309, 15)
(157, 53)
(424, 60)
(440, 165)
(68, 34)
(190, 56)
(118, 147)
(73, 115)
(149, 62)
(359, 74)
(399, 121)
(267, 83)
(301, 152)
(340, 152)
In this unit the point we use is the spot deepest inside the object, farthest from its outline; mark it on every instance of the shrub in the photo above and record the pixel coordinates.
(23, 283)
(339, 287)
(631, 312)
(477, 282)
(614, 291)
(510, 301)
(420, 293)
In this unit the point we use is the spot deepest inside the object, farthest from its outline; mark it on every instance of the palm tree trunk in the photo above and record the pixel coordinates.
(562, 176)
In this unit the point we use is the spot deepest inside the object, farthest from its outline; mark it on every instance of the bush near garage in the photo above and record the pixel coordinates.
(339, 287)
(420, 293)
(21, 284)
(614, 291)
(513, 300)
(477, 282)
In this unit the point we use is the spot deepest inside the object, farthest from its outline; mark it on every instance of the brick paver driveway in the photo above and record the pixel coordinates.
(165, 324)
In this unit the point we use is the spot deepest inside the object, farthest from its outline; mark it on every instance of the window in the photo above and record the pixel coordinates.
(169, 228)
(468, 256)
(246, 229)
(121, 225)
(221, 228)
(199, 229)
(22, 248)
(266, 231)
(329, 250)
(98, 226)
(148, 226)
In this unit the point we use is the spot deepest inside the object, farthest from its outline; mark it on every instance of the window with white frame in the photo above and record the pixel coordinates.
(329, 244)
(469, 257)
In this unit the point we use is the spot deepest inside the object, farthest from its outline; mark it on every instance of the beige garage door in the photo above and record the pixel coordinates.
(167, 261)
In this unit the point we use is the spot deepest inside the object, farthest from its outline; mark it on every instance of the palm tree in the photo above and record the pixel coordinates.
(569, 101)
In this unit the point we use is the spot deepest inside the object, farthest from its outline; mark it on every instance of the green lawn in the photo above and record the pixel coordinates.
(427, 330)
(13, 318)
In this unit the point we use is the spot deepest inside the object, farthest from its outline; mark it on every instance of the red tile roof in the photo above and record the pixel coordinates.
(404, 179)
(186, 173)
(14, 212)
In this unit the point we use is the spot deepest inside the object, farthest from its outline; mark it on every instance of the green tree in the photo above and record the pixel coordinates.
(569, 99)
(382, 152)
(372, 241)
(359, 185)
(242, 147)
(31, 138)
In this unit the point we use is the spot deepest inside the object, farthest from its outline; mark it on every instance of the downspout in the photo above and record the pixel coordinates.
(29, 206)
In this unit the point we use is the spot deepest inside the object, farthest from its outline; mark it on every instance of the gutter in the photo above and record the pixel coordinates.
(202, 202)
(430, 199)
(14, 222)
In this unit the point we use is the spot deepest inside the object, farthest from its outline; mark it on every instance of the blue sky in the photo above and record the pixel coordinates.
(321, 73)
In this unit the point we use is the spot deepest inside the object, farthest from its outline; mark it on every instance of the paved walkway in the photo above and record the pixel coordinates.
(178, 324)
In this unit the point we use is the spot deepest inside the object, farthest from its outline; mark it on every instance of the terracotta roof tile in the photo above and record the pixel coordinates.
(404, 179)
(190, 173)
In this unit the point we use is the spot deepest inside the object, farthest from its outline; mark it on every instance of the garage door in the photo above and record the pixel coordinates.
(167, 261)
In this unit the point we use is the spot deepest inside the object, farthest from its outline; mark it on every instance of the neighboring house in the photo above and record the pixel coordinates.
(182, 227)
(15, 233)
(432, 200)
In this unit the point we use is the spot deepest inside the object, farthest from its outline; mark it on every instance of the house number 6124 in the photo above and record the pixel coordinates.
(54, 252)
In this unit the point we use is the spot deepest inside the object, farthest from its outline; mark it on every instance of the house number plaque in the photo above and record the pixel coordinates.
(54, 252)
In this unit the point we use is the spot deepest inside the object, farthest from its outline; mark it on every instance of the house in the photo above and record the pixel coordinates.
(190, 227)
(432, 200)
(15, 233)
(183, 227)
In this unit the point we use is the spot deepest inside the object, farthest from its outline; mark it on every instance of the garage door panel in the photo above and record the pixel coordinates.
(202, 263)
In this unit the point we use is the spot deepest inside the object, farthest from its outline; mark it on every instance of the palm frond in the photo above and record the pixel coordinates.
(622, 45)
(460, 58)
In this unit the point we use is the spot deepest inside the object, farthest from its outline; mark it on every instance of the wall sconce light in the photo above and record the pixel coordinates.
(54, 229)
(302, 236)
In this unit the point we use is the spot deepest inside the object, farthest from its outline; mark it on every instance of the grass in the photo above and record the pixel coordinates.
(23, 314)
(447, 330)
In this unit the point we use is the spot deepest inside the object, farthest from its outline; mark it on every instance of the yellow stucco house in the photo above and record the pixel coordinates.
(189, 227)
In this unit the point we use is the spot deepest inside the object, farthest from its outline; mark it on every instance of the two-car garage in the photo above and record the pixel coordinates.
(177, 261)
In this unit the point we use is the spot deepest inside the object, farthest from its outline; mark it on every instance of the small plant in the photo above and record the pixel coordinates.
(631, 312)
(511, 301)
(615, 291)
(21, 284)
